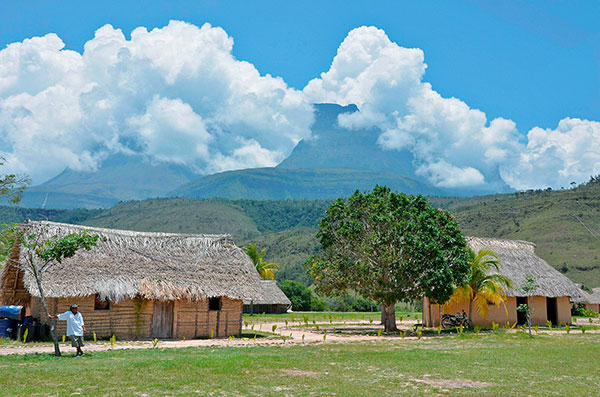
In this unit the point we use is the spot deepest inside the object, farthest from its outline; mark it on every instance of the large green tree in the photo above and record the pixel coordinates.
(389, 247)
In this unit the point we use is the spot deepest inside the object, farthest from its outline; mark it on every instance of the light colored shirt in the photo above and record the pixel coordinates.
(74, 323)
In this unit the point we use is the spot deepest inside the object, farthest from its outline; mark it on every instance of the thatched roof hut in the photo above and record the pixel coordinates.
(177, 269)
(156, 266)
(550, 300)
(518, 259)
(273, 300)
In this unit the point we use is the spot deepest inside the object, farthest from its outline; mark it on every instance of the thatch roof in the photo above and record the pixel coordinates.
(585, 296)
(518, 259)
(272, 295)
(161, 266)
(595, 295)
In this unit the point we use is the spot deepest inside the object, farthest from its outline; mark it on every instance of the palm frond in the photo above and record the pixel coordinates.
(482, 287)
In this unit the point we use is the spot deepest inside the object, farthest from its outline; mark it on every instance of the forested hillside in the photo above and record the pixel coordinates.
(564, 224)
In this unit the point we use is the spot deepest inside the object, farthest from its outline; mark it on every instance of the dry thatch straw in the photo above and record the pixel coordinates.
(161, 266)
(518, 259)
(586, 297)
(595, 295)
(272, 295)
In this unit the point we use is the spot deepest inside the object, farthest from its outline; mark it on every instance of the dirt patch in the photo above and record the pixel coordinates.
(451, 383)
(298, 372)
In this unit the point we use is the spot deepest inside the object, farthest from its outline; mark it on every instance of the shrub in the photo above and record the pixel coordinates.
(580, 310)
(318, 304)
(349, 303)
(298, 294)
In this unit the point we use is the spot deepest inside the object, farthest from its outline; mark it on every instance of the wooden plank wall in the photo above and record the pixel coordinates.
(127, 319)
(192, 319)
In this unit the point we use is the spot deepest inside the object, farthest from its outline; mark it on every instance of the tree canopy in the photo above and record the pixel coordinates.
(12, 186)
(389, 247)
(265, 269)
(483, 286)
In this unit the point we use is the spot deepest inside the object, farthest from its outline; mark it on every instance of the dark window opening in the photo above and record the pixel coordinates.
(552, 310)
(214, 303)
(100, 304)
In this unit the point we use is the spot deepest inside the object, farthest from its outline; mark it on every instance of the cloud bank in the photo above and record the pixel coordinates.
(174, 94)
(178, 95)
(452, 144)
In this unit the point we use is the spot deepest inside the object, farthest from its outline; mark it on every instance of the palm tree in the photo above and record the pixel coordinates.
(482, 287)
(265, 270)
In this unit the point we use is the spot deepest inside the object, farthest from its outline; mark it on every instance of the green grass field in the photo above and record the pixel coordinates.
(492, 363)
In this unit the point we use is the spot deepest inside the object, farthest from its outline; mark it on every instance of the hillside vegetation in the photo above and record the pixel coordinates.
(565, 224)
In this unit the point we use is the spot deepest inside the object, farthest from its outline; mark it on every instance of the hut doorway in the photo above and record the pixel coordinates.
(162, 320)
(551, 310)
(521, 317)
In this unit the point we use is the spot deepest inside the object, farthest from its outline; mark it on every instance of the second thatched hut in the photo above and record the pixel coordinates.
(551, 301)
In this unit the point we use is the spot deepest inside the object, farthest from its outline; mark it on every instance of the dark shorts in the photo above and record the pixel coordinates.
(77, 341)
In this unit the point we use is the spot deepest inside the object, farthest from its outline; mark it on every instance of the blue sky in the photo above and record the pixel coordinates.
(532, 62)
(525, 75)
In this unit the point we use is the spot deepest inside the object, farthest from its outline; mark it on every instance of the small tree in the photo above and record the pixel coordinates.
(42, 254)
(265, 270)
(389, 247)
(12, 186)
(528, 286)
(482, 286)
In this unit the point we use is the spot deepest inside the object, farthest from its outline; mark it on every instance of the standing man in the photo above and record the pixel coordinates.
(75, 327)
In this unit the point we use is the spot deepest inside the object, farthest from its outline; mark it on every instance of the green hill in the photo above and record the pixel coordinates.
(177, 216)
(565, 225)
(298, 184)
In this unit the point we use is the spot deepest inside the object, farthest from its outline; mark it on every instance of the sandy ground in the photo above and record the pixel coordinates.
(292, 333)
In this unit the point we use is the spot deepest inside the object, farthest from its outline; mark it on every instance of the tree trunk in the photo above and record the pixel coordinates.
(470, 312)
(52, 322)
(390, 318)
(528, 316)
(382, 307)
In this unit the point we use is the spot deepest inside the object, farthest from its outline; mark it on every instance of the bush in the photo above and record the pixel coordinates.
(580, 310)
(318, 304)
(298, 294)
(349, 303)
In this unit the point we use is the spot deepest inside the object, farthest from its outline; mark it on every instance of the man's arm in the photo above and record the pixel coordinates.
(62, 316)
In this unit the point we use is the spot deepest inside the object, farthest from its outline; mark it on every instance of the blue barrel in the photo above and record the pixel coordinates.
(13, 312)
(7, 328)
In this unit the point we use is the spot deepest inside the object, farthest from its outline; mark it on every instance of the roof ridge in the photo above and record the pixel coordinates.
(128, 233)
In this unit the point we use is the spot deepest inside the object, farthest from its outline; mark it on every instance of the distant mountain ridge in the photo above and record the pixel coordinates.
(334, 162)
(332, 146)
(298, 184)
(121, 177)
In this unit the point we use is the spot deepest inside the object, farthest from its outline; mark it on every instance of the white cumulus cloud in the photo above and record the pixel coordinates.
(175, 94)
(452, 144)
(555, 158)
